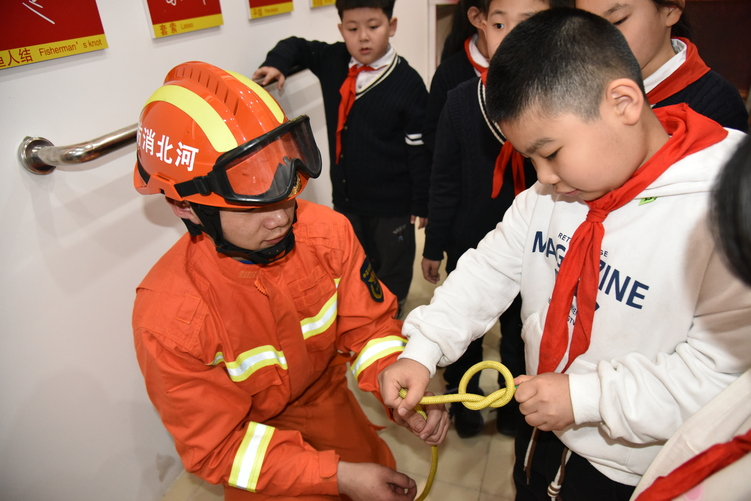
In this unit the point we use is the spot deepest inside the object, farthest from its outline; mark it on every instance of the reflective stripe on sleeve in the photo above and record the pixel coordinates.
(323, 319)
(413, 139)
(250, 361)
(375, 350)
(246, 467)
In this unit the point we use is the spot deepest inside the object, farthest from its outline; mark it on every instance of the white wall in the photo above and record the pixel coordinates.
(75, 420)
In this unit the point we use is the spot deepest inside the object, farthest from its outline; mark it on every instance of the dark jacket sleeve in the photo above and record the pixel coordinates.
(297, 52)
(419, 158)
(445, 185)
(436, 100)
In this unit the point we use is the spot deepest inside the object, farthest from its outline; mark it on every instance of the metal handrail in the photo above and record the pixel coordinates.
(39, 156)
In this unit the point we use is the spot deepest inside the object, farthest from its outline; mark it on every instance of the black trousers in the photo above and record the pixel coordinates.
(389, 243)
(581, 481)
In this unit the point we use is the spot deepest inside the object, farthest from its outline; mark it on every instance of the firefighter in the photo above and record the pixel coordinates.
(244, 328)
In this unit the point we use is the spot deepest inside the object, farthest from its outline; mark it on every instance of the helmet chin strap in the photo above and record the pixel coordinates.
(211, 225)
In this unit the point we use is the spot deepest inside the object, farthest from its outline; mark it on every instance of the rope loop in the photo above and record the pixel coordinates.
(498, 398)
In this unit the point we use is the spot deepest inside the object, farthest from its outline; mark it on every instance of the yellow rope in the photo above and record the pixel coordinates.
(498, 398)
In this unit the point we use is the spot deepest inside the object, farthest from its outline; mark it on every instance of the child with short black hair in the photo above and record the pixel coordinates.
(375, 108)
(465, 200)
(672, 69)
(632, 321)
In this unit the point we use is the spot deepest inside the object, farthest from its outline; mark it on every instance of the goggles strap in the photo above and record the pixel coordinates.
(211, 225)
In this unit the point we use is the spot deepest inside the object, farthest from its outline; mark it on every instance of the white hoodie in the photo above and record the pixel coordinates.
(671, 331)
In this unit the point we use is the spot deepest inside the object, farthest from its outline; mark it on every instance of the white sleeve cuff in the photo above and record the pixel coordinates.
(421, 349)
(585, 397)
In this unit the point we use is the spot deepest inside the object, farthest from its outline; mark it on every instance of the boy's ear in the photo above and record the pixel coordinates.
(182, 209)
(475, 17)
(624, 97)
(392, 26)
(341, 30)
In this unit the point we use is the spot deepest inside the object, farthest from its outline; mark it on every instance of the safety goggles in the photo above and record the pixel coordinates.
(264, 170)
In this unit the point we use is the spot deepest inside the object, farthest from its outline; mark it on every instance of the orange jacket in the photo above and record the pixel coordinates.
(226, 346)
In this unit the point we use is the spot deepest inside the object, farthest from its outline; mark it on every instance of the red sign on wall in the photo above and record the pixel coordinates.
(38, 30)
(265, 8)
(171, 17)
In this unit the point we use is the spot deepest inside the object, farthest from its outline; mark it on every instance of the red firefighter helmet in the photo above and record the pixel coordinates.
(217, 138)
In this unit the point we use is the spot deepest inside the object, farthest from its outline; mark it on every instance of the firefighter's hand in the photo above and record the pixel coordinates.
(430, 270)
(432, 430)
(373, 482)
(545, 400)
(267, 74)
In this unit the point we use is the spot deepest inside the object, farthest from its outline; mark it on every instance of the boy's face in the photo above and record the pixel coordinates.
(366, 33)
(584, 159)
(645, 26)
(504, 15)
(257, 229)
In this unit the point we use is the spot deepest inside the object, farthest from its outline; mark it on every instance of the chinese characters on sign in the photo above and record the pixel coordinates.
(321, 3)
(38, 30)
(183, 154)
(171, 17)
(265, 8)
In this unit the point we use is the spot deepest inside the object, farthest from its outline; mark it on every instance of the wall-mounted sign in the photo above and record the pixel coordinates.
(171, 17)
(321, 3)
(265, 8)
(38, 30)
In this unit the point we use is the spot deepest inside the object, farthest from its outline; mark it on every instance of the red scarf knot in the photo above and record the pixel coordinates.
(348, 91)
(597, 215)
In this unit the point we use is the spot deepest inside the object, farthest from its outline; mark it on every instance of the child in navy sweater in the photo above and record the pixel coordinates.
(375, 108)
(470, 61)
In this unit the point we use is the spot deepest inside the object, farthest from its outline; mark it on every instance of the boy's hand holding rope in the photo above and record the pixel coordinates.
(411, 376)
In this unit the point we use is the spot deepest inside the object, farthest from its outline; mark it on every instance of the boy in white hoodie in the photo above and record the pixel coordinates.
(632, 322)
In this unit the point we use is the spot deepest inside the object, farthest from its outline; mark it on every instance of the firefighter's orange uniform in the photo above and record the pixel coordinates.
(244, 362)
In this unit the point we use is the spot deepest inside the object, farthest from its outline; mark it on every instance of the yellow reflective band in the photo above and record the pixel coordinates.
(322, 321)
(375, 350)
(250, 361)
(249, 458)
(205, 116)
(219, 357)
(312, 326)
(261, 92)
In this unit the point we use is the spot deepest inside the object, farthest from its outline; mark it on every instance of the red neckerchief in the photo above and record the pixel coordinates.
(507, 151)
(692, 69)
(348, 91)
(517, 169)
(580, 270)
(483, 71)
(695, 470)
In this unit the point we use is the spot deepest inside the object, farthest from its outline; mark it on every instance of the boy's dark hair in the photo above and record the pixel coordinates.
(731, 212)
(387, 6)
(559, 60)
